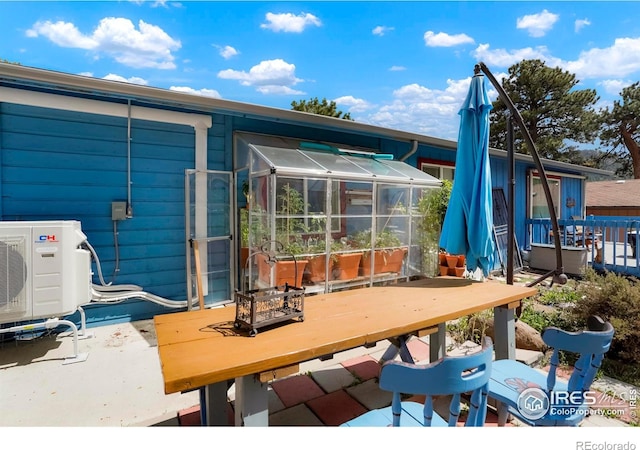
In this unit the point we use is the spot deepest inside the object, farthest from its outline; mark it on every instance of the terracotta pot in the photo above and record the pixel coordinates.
(458, 271)
(284, 271)
(442, 258)
(452, 261)
(394, 259)
(347, 265)
(384, 261)
(316, 269)
(244, 255)
(378, 263)
(444, 271)
(461, 261)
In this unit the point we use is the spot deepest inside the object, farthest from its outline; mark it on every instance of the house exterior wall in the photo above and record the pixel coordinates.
(57, 164)
(62, 165)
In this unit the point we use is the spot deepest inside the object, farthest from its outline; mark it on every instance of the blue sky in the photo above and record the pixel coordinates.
(402, 65)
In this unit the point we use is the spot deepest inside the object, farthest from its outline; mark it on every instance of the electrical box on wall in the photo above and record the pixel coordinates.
(118, 210)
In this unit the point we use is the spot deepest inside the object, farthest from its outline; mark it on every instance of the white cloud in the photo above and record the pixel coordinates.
(537, 24)
(505, 58)
(422, 109)
(274, 76)
(617, 61)
(132, 80)
(355, 105)
(397, 68)
(381, 30)
(146, 46)
(432, 39)
(228, 52)
(203, 92)
(279, 90)
(580, 24)
(614, 87)
(64, 34)
(289, 23)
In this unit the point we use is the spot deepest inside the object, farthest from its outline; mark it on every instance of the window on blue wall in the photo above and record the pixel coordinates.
(442, 170)
(538, 208)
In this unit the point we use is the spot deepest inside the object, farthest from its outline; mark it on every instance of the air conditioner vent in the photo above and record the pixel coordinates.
(13, 273)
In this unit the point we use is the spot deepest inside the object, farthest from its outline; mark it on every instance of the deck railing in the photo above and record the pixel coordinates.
(612, 241)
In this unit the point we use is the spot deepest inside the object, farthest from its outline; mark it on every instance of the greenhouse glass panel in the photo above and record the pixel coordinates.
(291, 160)
(337, 164)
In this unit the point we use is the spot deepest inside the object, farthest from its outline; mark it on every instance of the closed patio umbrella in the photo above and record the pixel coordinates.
(468, 223)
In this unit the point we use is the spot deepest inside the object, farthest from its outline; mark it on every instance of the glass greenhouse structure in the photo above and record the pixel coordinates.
(329, 218)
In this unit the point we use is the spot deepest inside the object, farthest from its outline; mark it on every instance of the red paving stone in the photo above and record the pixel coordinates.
(418, 349)
(190, 417)
(336, 408)
(364, 367)
(296, 390)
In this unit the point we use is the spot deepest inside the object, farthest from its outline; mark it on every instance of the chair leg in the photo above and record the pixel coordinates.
(503, 414)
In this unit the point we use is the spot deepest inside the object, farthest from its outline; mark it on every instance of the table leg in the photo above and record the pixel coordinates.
(504, 325)
(397, 347)
(252, 402)
(213, 404)
(437, 343)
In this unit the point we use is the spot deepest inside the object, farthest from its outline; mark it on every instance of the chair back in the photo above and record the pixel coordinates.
(451, 375)
(590, 346)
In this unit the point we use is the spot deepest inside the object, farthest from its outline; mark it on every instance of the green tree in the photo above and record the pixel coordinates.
(321, 107)
(556, 115)
(621, 131)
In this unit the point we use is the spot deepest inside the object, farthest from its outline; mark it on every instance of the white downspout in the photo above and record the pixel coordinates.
(414, 148)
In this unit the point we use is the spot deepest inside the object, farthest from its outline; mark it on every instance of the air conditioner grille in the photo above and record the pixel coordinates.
(13, 274)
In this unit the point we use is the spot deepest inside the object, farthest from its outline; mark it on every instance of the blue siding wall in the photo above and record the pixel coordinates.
(59, 165)
(571, 194)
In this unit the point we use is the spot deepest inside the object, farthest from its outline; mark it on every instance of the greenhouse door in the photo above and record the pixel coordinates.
(208, 225)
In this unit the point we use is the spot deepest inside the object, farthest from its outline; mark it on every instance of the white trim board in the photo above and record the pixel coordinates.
(83, 105)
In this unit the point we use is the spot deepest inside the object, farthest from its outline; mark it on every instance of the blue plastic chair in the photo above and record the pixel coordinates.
(525, 392)
(451, 375)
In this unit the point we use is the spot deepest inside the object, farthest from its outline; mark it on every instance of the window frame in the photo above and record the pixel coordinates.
(535, 175)
(439, 164)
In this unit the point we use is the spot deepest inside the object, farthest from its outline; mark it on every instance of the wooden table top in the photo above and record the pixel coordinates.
(202, 347)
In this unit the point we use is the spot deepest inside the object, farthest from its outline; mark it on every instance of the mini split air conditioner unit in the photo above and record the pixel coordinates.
(43, 271)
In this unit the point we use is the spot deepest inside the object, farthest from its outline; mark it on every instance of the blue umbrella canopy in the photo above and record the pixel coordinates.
(468, 223)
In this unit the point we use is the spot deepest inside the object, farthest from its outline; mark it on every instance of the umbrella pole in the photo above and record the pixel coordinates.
(558, 274)
(511, 196)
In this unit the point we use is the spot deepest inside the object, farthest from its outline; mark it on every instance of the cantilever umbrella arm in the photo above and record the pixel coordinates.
(558, 274)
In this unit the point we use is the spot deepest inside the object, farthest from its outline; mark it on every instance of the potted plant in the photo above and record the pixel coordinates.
(316, 269)
(388, 255)
(346, 261)
(392, 252)
(289, 229)
(244, 237)
(432, 208)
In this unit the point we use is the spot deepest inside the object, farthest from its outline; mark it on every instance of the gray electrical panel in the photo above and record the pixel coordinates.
(118, 210)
